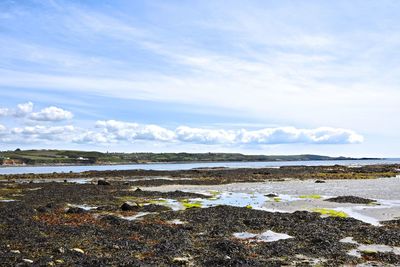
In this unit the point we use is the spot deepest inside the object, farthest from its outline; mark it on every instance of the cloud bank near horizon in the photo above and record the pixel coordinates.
(46, 128)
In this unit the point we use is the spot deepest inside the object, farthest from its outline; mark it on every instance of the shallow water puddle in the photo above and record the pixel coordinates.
(372, 248)
(7, 200)
(136, 216)
(352, 212)
(170, 203)
(157, 178)
(176, 221)
(79, 180)
(268, 236)
(58, 180)
(380, 204)
(34, 189)
(259, 201)
(216, 198)
(84, 206)
(237, 199)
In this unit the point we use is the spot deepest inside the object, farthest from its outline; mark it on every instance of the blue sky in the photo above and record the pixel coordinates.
(258, 77)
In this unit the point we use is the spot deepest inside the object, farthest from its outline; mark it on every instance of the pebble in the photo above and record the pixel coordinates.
(181, 260)
(78, 250)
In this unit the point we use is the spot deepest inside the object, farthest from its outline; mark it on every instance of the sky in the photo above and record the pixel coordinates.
(255, 77)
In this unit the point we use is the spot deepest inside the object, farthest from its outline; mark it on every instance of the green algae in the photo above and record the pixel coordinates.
(248, 207)
(189, 205)
(158, 201)
(332, 213)
(214, 194)
(277, 199)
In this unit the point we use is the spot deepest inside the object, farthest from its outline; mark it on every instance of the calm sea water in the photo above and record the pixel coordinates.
(187, 166)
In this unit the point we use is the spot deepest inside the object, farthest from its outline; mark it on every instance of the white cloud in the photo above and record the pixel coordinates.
(90, 137)
(205, 136)
(39, 132)
(23, 109)
(51, 114)
(4, 112)
(117, 130)
(39, 129)
(113, 131)
(284, 135)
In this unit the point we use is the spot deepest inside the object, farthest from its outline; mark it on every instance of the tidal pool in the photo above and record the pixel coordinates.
(369, 248)
(83, 206)
(293, 195)
(268, 236)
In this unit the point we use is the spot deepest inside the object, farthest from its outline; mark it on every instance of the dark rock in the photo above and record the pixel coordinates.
(271, 195)
(42, 209)
(103, 182)
(320, 182)
(130, 206)
(350, 199)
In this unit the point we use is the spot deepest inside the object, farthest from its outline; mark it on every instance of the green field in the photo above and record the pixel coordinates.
(37, 157)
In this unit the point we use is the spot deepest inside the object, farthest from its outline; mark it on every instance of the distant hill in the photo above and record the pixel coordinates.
(53, 157)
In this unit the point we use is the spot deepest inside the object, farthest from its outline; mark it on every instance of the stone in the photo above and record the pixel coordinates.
(130, 206)
(78, 250)
(103, 182)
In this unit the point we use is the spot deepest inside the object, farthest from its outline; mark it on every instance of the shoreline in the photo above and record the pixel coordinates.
(187, 162)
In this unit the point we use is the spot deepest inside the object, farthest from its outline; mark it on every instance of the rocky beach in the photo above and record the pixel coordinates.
(293, 216)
